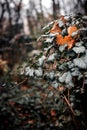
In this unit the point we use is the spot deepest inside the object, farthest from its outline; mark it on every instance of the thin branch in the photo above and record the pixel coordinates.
(22, 82)
(82, 88)
(65, 98)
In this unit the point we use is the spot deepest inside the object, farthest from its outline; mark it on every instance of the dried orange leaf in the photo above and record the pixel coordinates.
(63, 19)
(69, 41)
(55, 28)
(60, 40)
(72, 29)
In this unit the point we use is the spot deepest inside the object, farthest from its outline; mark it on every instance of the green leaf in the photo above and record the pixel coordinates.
(41, 60)
(52, 57)
(80, 49)
(62, 48)
(77, 112)
(62, 78)
(79, 62)
(61, 23)
(38, 72)
(49, 40)
(55, 84)
(79, 43)
(75, 72)
(29, 71)
(68, 78)
(50, 75)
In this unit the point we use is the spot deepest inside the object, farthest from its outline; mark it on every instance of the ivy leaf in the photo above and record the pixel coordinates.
(68, 78)
(41, 60)
(50, 76)
(52, 57)
(55, 84)
(60, 40)
(75, 72)
(61, 23)
(29, 71)
(39, 72)
(62, 78)
(85, 59)
(79, 62)
(70, 64)
(79, 43)
(62, 48)
(49, 40)
(80, 49)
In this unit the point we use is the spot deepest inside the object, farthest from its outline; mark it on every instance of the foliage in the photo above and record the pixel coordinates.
(53, 93)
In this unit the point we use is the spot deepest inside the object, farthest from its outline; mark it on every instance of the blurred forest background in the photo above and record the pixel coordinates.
(25, 105)
(21, 22)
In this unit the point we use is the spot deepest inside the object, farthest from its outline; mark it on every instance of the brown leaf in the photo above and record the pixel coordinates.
(60, 40)
(63, 19)
(55, 28)
(72, 29)
(69, 41)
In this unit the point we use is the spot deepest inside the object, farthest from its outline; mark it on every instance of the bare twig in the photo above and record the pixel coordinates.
(69, 95)
(82, 88)
(65, 98)
(23, 81)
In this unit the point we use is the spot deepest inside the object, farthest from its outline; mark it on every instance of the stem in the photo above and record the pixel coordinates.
(69, 105)
(82, 89)
(22, 82)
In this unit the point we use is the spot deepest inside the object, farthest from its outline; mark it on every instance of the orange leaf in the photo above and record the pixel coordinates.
(60, 40)
(63, 19)
(72, 29)
(55, 28)
(69, 41)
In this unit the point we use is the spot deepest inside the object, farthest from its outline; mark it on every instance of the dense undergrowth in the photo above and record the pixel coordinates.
(51, 93)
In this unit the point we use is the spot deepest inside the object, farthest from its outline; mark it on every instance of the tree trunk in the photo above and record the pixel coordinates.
(54, 9)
